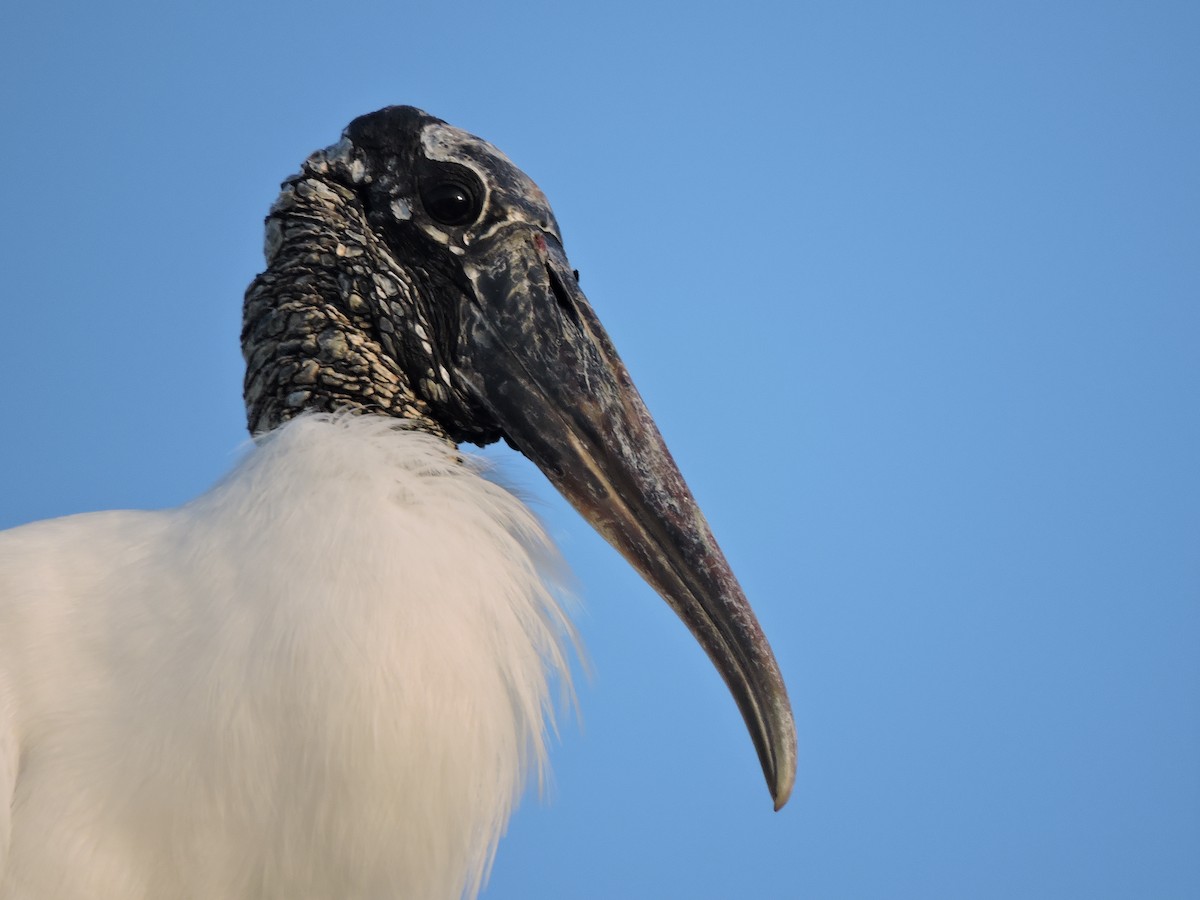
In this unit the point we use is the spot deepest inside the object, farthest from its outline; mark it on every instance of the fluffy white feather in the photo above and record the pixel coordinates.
(191, 699)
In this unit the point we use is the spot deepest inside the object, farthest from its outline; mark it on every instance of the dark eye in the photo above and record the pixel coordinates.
(450, 202)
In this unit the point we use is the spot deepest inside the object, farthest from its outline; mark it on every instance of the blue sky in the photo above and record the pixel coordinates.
(914, 293)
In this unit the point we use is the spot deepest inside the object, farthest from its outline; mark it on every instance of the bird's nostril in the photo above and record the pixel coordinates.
(565, 303)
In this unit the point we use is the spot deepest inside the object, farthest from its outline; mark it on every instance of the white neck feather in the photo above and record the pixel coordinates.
(360, 634)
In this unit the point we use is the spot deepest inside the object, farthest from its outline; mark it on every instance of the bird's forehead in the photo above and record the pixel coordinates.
(445, 143)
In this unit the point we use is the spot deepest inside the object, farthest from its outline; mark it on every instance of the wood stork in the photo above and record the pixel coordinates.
(328, 676)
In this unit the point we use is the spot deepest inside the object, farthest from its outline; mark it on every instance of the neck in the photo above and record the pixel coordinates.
(315, 331)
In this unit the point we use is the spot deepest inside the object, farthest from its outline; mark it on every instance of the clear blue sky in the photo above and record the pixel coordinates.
(914, 292)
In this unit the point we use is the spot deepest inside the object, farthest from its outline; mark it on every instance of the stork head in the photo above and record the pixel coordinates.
(413, 270)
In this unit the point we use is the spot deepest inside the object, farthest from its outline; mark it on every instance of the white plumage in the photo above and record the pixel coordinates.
(354, 619)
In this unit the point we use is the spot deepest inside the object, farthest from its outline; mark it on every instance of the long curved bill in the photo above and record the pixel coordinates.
(535, 354)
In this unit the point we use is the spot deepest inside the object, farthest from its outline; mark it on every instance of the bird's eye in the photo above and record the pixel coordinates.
(450, 202)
